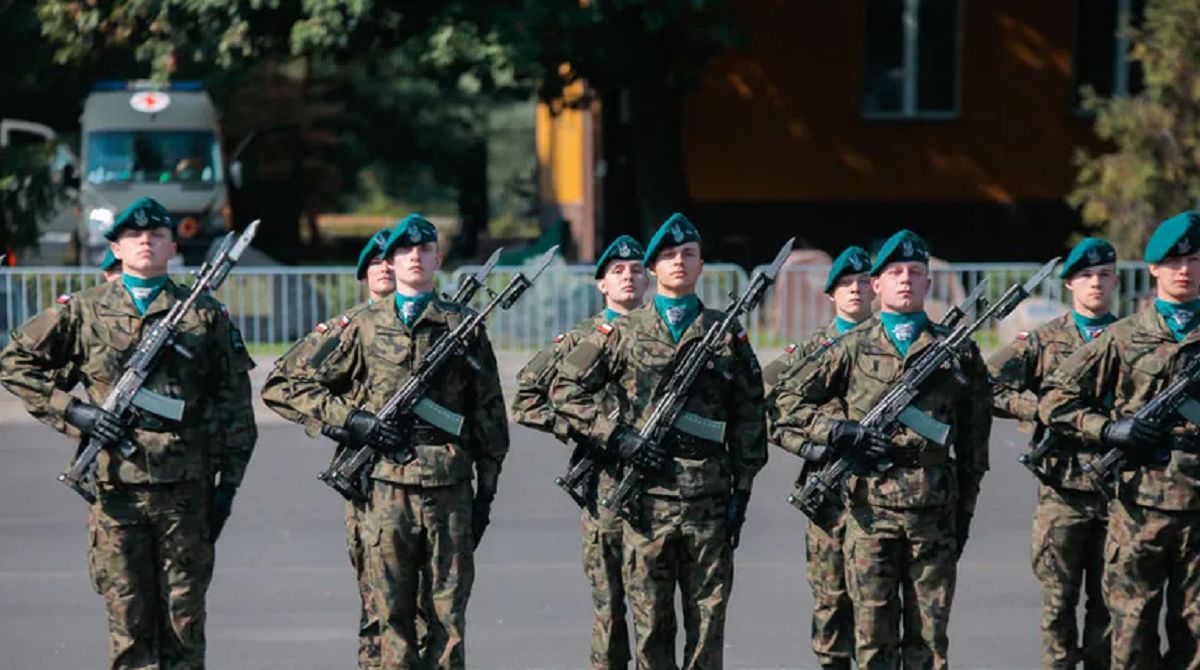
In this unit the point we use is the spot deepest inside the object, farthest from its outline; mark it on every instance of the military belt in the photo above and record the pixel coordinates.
(916, 457)
(682, 445)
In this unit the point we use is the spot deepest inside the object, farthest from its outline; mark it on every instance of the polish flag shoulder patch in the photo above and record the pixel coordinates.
(826, 342)
(63, 299)
(790, 348)
(742, 336)
(344, 321)
(322, 328)
(605, 329)
(559, 338)
(1023, 335)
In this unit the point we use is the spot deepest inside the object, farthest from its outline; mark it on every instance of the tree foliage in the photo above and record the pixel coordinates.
(1153, 170)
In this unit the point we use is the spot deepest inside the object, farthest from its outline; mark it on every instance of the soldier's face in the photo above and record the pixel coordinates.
(144, 253)
(677, 269)
(852, 296)
(414, 268)
(623, 284)
(380, 283)
(902, 286)
(1178, 278)
(1092, 289)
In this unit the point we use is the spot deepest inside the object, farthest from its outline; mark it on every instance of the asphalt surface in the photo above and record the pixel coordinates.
(283, 595)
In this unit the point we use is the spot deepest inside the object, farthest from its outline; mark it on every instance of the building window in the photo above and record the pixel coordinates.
(912, 59)
(1102, 58)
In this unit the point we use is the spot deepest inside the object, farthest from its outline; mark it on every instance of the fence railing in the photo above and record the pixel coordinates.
(275, 306)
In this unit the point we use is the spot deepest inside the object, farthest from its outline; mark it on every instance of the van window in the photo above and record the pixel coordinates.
(153, 157)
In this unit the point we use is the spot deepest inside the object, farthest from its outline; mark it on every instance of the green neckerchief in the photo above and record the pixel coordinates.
(1090, 327)
(677, 313)
(143, 291)
(410, 307)
(903, 329)
(1180, 317)
(843, 326)
(609, 315)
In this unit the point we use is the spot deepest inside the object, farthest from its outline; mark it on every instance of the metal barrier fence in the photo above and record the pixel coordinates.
(275, 306)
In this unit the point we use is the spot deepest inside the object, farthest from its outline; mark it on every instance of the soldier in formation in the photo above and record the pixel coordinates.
(424, 518)
(1152, 550)
(1072, 515)
(621, 279)
(683, 530)
(849, 288)
(906, 525)
(160, 504)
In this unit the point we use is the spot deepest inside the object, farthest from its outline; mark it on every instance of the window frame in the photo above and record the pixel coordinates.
(1121, 59)
(910, 109)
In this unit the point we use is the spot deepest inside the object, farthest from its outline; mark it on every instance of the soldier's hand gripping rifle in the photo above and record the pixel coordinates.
(1160, 411)
(668, 408)
(410, 399)
(130, 391)
(466, 290)
(896, 408)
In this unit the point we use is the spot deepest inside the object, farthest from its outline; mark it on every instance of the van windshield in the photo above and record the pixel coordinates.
(153, 157)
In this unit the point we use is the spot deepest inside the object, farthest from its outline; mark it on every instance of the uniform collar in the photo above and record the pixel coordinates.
(116, 300)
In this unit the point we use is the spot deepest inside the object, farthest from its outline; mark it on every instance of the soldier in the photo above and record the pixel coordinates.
(906, 526)
(374, 272)
(1071, 518)
(159, 507)
(421, 517)
(621, 279)
(690, 518)
(849, 287)
(1152, 552)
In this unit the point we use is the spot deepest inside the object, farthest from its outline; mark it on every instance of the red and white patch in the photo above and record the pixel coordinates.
(790, 348)
(559, 338)
(826, 342)
(345, 320)
(322, 328)
(63, 299)
(1023, 335)
(605, 329)
(224, 310)
(742, 336)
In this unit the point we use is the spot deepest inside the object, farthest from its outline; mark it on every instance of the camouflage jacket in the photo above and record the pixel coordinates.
(1018, 371)
(93, 333)
(531, 406)
(1113, 376)
(635, 353)
(276, 390)
(367, 362)
(795, 354)
(856, 371)
(795, 358)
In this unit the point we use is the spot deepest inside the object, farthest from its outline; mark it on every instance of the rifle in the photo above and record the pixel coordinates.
(668, 409)
(130, 391)
(1173, 400)
(410, 398)
(466, 290)
(895, 407)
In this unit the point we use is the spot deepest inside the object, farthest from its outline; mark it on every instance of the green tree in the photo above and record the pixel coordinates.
(1153, 170)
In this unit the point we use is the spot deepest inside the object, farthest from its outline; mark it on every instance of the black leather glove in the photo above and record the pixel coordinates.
(94, 421)
(633, 449)
(382, 436)
(481, 506)
(962, 531)
(815, 453)
(737, 516)
(1131, 434)
(853, 436)
(219, 507)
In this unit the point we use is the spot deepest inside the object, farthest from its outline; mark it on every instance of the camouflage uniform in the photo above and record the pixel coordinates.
(417, 523)
(602, 546)
(901, 543)
(833, 616)
(1069, 526)
(1153, 545)
(681, 533)
(275, 393)
(150, 555)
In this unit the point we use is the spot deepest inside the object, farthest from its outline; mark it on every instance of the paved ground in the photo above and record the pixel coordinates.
(283, 595)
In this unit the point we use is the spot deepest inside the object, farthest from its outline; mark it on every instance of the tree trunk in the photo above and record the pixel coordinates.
(656, 124)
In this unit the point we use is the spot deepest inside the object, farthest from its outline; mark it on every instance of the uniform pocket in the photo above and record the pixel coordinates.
(97, 571)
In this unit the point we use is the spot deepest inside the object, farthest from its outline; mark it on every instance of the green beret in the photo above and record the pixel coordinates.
(370, 252)
(675, 231)
(143, 214)
(1177, 236)
(850, 262)
(110, 260)
(904, 246)
(1090, 252)
(624, 248)
(412, 230)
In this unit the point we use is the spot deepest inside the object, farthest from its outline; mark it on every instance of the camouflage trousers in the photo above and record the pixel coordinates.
(368, 622)
(900, 571)
(602, 563)
(1068, 559)
(150, 557)
(833, 616)
(1153, 555)
(412, 533)
(684, 543)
